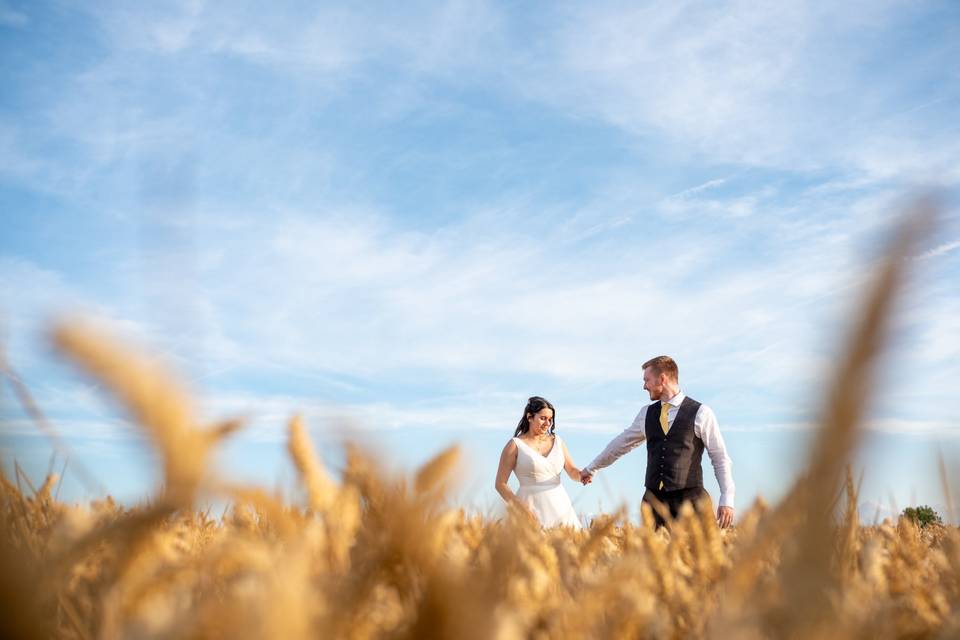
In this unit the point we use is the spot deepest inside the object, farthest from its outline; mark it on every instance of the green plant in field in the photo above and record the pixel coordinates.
(922, 515)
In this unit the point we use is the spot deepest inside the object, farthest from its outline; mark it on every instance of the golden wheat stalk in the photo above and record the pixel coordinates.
(321, 489)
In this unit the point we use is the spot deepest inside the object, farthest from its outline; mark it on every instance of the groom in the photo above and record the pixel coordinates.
(677, 429)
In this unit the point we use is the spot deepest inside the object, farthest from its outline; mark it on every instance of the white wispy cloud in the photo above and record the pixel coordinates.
(939, 250)
(307, 38)
(789, 95)
(793, 92)
(942, 427)
(356, 296)
(709, 184)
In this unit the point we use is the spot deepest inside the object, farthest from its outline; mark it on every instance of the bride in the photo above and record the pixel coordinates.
(537, 456)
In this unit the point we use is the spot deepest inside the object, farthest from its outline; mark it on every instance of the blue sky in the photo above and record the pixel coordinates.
(402, 220)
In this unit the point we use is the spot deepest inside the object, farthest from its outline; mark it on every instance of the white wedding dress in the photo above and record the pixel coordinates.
(540, 487)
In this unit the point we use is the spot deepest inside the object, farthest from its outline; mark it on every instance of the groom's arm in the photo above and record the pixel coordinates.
(631, 437)
(708, 430)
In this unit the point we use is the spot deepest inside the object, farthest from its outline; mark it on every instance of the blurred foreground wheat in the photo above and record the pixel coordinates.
(374, 556)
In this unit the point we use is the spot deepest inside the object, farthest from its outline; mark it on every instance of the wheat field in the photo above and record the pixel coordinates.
(367, 555)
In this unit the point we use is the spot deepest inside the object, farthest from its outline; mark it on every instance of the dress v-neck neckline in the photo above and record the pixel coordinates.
(542, 455)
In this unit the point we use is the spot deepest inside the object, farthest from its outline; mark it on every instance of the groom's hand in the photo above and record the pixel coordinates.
(586, 477)
(724, 517)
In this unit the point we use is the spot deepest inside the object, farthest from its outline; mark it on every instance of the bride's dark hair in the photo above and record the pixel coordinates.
(536, 404)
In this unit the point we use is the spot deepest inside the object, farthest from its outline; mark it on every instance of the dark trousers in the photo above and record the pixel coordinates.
(673, 500)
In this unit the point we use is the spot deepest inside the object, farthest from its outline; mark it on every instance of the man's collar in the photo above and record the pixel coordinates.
(677, 399)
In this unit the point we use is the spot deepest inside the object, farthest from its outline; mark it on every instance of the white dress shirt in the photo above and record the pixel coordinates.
(705, 427)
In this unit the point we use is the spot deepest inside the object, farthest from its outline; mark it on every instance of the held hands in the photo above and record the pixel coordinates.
(724, 516)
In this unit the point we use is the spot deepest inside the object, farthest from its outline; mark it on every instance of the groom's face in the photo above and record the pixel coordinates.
(653, 383)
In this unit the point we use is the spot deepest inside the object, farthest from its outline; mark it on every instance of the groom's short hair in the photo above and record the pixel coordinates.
(663, 364)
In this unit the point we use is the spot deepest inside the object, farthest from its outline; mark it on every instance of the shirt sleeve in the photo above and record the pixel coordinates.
(629, 439)
(706, 428)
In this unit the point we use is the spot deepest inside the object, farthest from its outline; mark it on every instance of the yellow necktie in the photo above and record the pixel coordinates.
(664, 410)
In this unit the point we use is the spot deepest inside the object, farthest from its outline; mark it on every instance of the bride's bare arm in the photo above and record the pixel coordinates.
(508, 460)
(568, 465)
